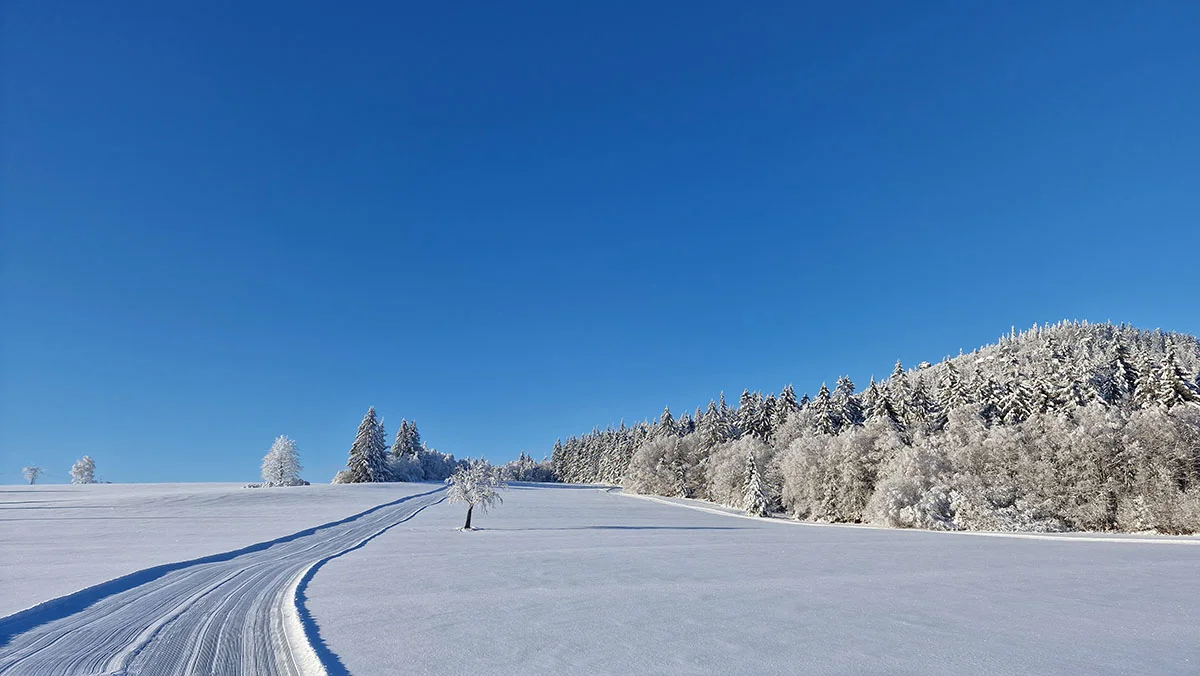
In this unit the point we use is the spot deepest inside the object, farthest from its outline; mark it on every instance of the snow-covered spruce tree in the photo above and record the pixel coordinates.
(848, 406)
(31, 473)
(755, 501)
(476, 485)
(281, 465)
(368, 455)
(826, 415)
(84, 471)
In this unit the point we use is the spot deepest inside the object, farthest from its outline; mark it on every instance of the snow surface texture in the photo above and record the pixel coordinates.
(234, 612)
(575, 580)
(59, 539)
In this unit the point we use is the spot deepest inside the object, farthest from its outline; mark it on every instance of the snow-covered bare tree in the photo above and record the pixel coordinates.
(84, 471)
(31, 473)
(281, 465)
(476, 485)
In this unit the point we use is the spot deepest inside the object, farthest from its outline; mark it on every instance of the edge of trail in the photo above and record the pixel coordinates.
(64, 606)
(1074, 536)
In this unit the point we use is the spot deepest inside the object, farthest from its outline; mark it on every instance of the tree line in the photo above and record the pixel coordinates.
(1073, 426)
(410, 459)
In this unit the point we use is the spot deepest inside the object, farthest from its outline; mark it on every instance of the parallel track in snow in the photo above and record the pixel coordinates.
(232, 613)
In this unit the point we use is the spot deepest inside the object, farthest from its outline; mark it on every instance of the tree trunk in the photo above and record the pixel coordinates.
(469, 509)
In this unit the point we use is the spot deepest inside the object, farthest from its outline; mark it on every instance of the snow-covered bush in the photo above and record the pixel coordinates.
(31, 473)
(84, 471)
(666, 466)
(406, 468)
(281, 465)
(726, 470)
(525, 468)
(435, 465)
(912, 492)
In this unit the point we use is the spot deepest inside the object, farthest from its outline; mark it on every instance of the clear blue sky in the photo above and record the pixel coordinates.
(513, 221)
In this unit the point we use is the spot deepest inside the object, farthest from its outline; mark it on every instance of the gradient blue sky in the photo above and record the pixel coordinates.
(513, 221)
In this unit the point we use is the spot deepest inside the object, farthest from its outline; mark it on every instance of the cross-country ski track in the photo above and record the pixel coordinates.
(239, 612)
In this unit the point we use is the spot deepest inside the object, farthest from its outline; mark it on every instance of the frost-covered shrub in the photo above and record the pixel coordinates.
(833, 478)
(912, 491)
(405, 468)
(437, 466)
(726, 469)
(525, 468)
(1164, 450)
(805, 467)
(665, 466)
(84, 471)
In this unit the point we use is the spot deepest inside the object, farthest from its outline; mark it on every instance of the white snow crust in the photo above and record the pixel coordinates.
(574, 580)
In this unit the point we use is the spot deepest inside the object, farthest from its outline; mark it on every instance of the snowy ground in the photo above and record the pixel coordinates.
(236, 612)
(579, 581)
(562, 580)
(58, 539)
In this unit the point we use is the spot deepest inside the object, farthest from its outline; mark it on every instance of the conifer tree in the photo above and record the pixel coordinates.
(786, 406)
(368, 461)
(952, 389)
(714, 428)
(848, 406)
(825, 416)
(755, 501)
(1173, 388)
(408, 440)
(1124, 378)
(882, 410)
(666, 425)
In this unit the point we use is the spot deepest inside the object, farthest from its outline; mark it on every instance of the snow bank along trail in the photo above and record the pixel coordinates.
(231, 613)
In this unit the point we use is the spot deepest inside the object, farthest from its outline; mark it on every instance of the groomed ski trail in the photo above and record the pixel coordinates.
(231, 613)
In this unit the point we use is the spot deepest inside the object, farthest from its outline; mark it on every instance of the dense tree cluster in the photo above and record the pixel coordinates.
(1073, 426)
(408, 459)
(411, 459)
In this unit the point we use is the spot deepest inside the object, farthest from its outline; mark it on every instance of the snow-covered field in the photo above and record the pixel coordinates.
(59, 539)
(566, 580)
(580, 581)
(226, 613)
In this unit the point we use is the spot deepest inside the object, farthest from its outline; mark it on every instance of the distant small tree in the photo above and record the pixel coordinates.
(84, 471)
(31, 472)
(475, 484)
(281, 465)
(755, 502)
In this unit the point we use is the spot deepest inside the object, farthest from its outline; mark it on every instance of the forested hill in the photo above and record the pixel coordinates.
(1074, 426)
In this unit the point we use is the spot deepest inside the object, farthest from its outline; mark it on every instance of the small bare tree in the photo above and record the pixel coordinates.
(475, 484)
(31, 472)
